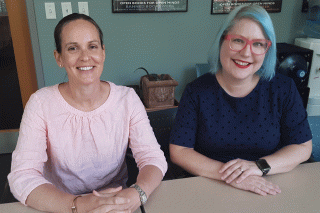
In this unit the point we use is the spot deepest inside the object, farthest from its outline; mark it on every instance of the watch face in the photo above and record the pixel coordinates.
(263, 166)
(143, 199)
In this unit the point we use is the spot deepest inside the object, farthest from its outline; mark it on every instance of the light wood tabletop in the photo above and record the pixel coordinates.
(300, 193)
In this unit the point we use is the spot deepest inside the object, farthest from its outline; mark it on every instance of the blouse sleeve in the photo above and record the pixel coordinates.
(295, 128)
(30, 154)
(142, 141)
(184, 129)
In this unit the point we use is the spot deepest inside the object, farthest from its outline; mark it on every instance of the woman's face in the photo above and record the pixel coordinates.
(244, 64)
(81, 53)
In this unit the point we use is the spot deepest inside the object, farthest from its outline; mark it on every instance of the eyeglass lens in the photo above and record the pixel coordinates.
(257, 47)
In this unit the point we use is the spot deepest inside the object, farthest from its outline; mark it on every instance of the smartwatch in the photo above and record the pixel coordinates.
(263, 166)
(142, 194)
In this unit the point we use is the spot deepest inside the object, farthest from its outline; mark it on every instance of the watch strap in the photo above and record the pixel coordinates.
(142, 194)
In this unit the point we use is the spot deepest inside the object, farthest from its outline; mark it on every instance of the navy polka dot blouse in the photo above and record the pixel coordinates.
(223, 127)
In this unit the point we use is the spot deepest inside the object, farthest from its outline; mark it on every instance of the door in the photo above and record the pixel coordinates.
(20, 72)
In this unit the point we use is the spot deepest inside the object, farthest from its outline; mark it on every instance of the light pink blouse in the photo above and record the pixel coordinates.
(81, 151)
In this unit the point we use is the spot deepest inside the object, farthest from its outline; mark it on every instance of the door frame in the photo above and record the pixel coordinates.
(19, 27)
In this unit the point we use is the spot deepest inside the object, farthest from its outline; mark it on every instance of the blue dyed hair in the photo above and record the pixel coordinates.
(259, 15)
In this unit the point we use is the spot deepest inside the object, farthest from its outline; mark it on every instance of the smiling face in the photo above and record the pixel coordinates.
(81, 52)
(242, 65)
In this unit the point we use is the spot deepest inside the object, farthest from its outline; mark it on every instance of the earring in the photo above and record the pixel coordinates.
(60, 65)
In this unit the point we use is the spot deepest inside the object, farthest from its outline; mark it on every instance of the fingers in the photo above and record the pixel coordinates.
(95, 193)
(238, 169)
(264, 188)
(111, 190)
(258, 185)
(232, 176)
(117, 201)
(107, 192)
(270, 188)
(273, 187)
(257, 191)
(232, 172)
(227, 165)
(243, 176)
(111, 198)
(113, 204)
(233, 169)
(105, 195)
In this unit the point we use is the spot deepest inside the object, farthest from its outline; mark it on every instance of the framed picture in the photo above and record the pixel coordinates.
(149, 6)
(225, 6)
(305, 6)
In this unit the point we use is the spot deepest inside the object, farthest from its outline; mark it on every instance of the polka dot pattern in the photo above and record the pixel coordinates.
(223, 127)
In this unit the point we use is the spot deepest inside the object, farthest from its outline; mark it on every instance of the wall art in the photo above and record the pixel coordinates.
(149, 6)
(225, 6)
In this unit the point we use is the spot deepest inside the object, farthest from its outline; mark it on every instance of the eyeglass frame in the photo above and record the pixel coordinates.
(250, 42)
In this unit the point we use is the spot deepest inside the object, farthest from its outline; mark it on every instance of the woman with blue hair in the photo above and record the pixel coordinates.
(242, 121)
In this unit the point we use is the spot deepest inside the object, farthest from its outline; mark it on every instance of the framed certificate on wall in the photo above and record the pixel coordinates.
(149, 6)
(225, 6)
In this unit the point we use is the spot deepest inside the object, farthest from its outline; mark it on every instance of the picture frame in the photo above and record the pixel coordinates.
(225, 6)
(149, 6)
(305, 6)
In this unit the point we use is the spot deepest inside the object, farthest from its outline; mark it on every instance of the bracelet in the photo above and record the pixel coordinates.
(74, 207)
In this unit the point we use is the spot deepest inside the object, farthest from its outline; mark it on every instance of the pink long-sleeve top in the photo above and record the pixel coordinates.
(81, 151)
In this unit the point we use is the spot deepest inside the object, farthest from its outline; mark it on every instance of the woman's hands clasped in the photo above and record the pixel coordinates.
(105, 201)
(246, 175)
(238, 169)
(116, 200)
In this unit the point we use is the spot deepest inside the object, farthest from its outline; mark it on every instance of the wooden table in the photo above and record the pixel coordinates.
(300, 193)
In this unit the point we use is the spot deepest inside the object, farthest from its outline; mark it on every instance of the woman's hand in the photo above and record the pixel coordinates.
(105, 201)
(240, 169)
(257, 185)
(130, 194)
(133, 195)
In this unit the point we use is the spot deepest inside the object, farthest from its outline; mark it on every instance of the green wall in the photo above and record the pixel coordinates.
(169, 43)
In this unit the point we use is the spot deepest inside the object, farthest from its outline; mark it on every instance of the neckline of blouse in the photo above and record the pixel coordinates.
(255, 90)
(83, 113)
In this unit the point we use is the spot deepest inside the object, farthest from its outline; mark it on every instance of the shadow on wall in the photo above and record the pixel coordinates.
(188, 75)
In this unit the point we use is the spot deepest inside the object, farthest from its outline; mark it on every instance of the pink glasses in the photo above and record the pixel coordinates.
(257, 46)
